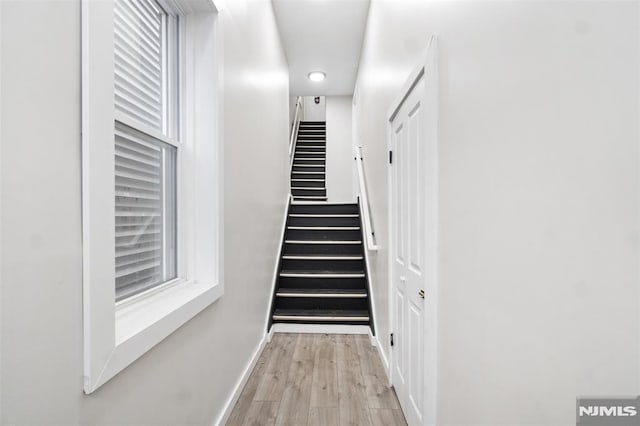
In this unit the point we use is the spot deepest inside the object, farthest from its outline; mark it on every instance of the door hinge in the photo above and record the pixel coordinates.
(390, 157)
(391, 339)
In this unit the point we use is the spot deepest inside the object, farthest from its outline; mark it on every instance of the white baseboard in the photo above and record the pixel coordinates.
(372, 339)
(383, 358)
(320, 328)
(242, 381)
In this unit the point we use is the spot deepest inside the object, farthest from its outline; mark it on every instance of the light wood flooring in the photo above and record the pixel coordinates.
(318, 379)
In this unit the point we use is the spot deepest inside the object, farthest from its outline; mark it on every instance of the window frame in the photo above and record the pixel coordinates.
(116, 334)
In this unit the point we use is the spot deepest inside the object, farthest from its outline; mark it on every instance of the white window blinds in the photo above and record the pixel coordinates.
(145, 203)
(145, 166)
(138, 40)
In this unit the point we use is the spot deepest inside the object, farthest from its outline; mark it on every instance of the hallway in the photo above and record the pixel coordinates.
(195, 194)
(318, 379)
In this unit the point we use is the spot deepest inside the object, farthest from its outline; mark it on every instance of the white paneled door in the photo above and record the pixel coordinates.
(408, 253)
(413, 242)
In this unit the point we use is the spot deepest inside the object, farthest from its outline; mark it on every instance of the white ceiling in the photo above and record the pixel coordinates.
(324, 35)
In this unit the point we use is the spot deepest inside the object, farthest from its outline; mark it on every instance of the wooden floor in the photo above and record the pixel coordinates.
(318, 379)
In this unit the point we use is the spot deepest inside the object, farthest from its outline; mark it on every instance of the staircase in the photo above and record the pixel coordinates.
(309, 161)
(322, 275)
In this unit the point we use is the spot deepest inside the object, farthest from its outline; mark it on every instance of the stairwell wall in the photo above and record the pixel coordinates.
(539, 193)
(188, 377)
(339, 177)
(314, 111)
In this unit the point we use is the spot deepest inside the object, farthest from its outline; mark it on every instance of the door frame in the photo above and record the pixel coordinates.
(427, 68)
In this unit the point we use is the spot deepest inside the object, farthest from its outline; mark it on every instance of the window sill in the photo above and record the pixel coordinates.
(144, 323)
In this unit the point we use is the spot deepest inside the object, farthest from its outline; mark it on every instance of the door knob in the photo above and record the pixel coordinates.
(421, 293)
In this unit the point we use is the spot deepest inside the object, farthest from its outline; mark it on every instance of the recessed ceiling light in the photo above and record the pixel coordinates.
(317, 76)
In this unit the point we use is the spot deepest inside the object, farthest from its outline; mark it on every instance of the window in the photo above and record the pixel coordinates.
(145, 202)
(146, 82)
(151, 209)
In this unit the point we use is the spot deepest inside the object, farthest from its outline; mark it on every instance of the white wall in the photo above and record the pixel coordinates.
(539, 197)
(187, 378)
(1, 233)
(292, 109)
(339, 150)
(314, 111)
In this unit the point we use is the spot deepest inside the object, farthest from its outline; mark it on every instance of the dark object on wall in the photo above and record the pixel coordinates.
(317, 99)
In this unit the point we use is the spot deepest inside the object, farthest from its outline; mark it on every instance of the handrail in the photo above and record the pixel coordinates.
(294, 130)
(364, 199)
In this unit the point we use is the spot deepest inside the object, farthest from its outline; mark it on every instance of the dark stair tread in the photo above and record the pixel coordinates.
(314, 272)
(323, 215)
(321, 313)
(323, 257)
(323, 228)
(313, 242)
(329, 206)
(356, 292)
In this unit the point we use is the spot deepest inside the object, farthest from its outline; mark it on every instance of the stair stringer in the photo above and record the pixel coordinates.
(367, 273)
